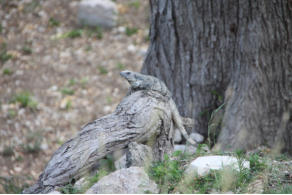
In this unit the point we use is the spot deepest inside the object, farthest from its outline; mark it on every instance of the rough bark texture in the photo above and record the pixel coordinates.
(240, 50)
(142, 117)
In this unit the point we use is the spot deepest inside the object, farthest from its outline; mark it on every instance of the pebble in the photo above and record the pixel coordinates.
(107, 109)
(44, 146)
(131, 48)
(121, 29)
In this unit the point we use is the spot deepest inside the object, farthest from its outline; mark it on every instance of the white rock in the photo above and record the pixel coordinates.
(44, 146)
(131, 48)
(197, 137)
(177, 136)
(121, 29)
(19, 72)
(132, 180)
(107, 109)
(204, 164)
(97, 13)
(54, 192)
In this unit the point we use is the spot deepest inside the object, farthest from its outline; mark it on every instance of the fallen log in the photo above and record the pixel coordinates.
(143, 117)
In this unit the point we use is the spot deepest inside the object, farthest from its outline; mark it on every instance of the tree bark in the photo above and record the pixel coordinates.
(233, 50)
(143, 117)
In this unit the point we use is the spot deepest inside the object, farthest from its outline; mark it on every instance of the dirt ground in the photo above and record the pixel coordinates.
(57, 76)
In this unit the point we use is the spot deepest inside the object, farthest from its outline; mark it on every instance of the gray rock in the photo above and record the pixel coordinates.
(197, 137)
(177, 136)
(81, 183)
(202, 165)
(124, 181)
(179, 147)
(190, 149)
(101, 13)
(54, 192)
(138, 155)
(121, 162)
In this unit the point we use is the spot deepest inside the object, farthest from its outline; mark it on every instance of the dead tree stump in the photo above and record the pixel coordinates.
(143, 117)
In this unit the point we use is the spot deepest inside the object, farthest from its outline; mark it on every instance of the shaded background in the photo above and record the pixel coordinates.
(56, 76)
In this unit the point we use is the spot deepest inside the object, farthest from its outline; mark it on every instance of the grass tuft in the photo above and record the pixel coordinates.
(7, 71)
(131, 31)
(102, 70)
(25, 100)
(67, 91)
(53, 22)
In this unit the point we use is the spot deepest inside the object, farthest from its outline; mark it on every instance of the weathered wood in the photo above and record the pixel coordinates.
(143, 117)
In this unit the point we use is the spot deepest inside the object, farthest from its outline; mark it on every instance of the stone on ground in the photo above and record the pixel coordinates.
(101, 13)
(189, 149)
(177, 136)
(202, 165)
(125, 181)
(197, 137)
(137, 155)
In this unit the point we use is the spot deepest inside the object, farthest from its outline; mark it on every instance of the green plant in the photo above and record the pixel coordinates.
(200, 150)
(107, 164)
(72, 82)
(214, 124)
(217, 95)
(130, 31)
(84, 81)
(7, 71)
(98, 32)
(8, 151)
(1, 28)
(33, 142)
(109, 100)
(53, 22)
(73, 34)
(281, 157)
(69, 189)
(102, 70)
(31, 6)
(25, 100)
(4, 56)
(67, 91)
(19, 159)
(92, 180)
(166, 173)
(11, 185)
(68, 104)
(26, 50)
(136, 4)
(95, 32)
(283, 189)
(120, 66)
(257, 164)
(206, 183)
(88, 48)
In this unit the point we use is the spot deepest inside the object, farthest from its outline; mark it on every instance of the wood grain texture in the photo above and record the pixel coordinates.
(142, 117)
(238, 51)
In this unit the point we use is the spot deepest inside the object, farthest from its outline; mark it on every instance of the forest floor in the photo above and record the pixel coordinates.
(56, 76)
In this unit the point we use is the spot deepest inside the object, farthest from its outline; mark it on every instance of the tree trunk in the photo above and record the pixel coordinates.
(237, 51)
